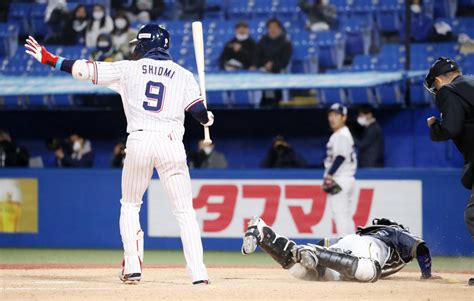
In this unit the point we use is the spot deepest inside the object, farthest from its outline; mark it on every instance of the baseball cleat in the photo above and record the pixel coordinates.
(130, 278)
(253, 234)
(201, 282)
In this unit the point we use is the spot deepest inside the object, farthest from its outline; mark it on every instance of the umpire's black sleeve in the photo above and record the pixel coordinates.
(452, 120)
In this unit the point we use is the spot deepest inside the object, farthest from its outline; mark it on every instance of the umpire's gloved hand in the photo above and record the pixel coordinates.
(40, 53)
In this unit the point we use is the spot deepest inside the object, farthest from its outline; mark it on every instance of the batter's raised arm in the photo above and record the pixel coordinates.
(80, 69)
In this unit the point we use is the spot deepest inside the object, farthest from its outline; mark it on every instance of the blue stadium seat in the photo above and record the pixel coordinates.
(388, 15)
(358, 35)
(465, 3)
(329, 96)
(19, 14)
(38, 26)
(445, 8)
(332, 46)
(8, 39)
(364, 63)
(418, 93)
(467, 65)
(361, 95)
(390, 94)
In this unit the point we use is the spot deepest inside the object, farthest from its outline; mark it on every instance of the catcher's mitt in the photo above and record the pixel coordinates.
(331, 187)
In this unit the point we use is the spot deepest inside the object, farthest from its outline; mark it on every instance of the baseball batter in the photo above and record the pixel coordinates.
(155, 93)
(340, 167)
(374, 252)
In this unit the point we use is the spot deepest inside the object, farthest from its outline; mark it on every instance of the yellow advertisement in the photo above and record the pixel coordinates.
(18, 205)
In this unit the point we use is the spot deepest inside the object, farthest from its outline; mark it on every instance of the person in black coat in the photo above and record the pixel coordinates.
(238, 53)
(455, 100)
(371, 142)
(273, 55)
(282, 155)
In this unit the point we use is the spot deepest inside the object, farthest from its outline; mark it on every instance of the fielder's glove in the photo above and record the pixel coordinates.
(210, 116)
(40, 53)
(330, 186)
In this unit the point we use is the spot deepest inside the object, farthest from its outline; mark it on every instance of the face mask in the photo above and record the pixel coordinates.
(144, 17)
(120, 23)
(242, 37)
(207, 150)
(362, 121)
(325, 2)
(76, 146)
(103, 45)
(97, 15)
(415, 8)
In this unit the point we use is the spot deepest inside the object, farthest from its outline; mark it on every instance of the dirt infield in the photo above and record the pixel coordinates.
(227, 284)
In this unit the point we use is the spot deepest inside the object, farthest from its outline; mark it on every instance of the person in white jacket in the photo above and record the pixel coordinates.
(100, 23)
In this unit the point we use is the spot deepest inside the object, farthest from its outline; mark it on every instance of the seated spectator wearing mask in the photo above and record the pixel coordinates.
(207, 157)
(105, 51)
(145, 10)
(122, 35)
(282, 155)
(238, 53)
(420, 22)
(192, 9)
(55, 16)
(12, 155)
(371, 141)
(79, 156)
(100, 23)
(322, 16)
(75, 28)
(272, 55)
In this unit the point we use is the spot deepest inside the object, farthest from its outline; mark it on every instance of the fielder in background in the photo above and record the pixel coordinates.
(155, 93)
(374, 252)
(340, 167)
(455, 99)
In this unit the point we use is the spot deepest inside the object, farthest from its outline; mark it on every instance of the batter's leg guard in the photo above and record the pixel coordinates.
(132, 238)
(349, 266)
(278, 247)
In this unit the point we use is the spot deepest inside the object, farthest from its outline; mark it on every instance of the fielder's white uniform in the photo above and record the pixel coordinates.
(341, 143)
(155, 95)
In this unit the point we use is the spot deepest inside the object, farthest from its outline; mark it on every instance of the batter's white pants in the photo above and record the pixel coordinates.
(341, 206)
(145, 151)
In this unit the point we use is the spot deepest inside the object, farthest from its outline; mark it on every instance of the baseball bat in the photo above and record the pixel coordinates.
(198, 39)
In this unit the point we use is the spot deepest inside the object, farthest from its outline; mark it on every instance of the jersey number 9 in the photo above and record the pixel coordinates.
(155, 93)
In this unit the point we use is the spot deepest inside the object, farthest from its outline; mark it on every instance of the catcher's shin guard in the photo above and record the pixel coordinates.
(361, 269)
(278, 247)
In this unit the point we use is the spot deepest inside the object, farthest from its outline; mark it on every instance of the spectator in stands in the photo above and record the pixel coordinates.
(321, 14)
(238, 53)
(441, 32)
(75, 28)
(56, 15)
(105, 50)
(144, 11)
(100, 23)
(371, 142)
(122, 34)
(420, 24)
(118, 155)
(192, 9)
(207, 157)
(79, 154)
(12, 155)
(273, 55)
(282, 155)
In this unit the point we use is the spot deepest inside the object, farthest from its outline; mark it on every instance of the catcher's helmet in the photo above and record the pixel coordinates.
(441, 66)
(150, 36)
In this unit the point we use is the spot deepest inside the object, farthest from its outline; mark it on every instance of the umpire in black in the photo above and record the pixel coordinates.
(455, 100)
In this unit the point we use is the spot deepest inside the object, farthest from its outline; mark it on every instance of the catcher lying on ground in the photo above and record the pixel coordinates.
(372, 253)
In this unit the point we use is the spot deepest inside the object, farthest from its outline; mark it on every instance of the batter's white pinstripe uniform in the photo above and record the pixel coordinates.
(341, 143)
(155, 95)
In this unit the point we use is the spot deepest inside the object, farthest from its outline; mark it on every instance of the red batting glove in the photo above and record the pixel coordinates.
(40, 53)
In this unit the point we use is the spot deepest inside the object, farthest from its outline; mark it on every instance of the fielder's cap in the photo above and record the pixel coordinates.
(441, 66)
(338, 108)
